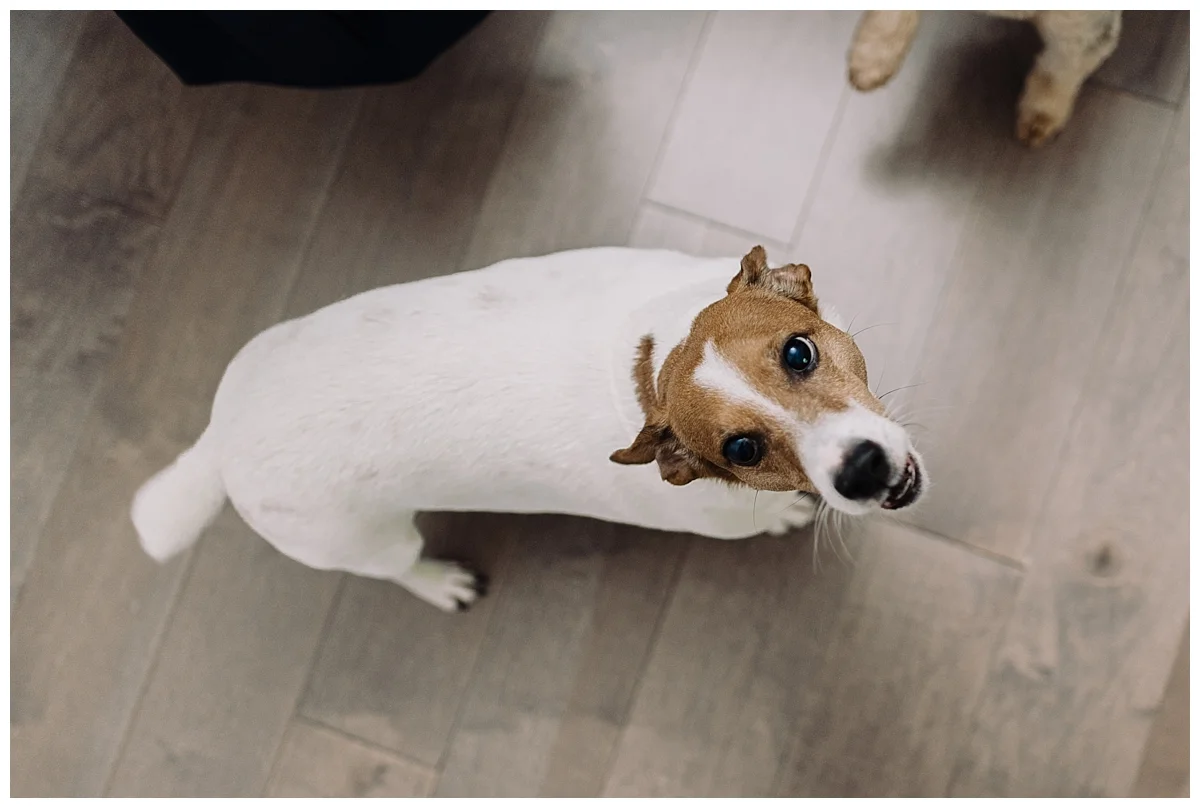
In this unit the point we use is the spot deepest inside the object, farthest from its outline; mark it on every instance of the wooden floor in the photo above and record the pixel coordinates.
(1016, 636)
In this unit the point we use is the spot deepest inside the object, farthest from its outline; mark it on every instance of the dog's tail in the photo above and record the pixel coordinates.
(173, 507)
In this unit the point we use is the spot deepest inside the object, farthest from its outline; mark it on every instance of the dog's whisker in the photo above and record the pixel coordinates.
(868, 328)
(879, 383)
(845, 522)
(898, 389)
(822, 509)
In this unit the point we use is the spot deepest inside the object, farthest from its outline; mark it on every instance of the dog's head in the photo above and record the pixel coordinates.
(763, 392)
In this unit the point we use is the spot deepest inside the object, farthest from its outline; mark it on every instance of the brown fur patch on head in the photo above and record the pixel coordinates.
(676, 463)
(727, 379)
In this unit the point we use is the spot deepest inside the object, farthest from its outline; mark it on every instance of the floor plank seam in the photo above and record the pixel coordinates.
(59, 90)
(737, 232)
(497, 592)
(1110, 310)
(364, 742)
(668, 602)
(1107, 84)
(302, 692)
(973, 549)
(462, 263)
(155, 655)
(664, 143)
(810, 193)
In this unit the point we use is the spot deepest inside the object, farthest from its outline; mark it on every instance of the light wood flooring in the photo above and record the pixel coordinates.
(1023, 633)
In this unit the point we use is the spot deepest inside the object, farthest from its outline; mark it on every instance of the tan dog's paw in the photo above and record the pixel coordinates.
(1037, 128)
(1045, 108)
(880, 45)
(870, 76)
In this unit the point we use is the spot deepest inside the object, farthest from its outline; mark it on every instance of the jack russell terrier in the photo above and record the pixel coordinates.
(506, 389)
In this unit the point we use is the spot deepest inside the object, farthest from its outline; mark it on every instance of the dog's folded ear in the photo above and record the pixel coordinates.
(677, 464)
(793, 281)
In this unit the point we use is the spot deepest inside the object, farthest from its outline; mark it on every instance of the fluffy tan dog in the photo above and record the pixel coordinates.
(1076, 44)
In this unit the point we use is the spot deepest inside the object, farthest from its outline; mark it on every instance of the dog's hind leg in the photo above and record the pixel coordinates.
(881, 42)
(389, 550)
(1076, 44)
(395, 555)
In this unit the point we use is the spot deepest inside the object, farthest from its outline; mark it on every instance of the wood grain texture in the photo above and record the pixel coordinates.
(766, 676)
(409, 192)
(106, 170)
(78, 672)
(1166, 761)
(573, 623)
(1010, 345)
(1152, 57)
(755, 117)
(584, 140)
(1085, 658)
(319, 762)
(265, 610)
(41, 44)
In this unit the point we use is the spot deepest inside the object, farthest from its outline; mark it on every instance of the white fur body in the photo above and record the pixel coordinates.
(504, 389)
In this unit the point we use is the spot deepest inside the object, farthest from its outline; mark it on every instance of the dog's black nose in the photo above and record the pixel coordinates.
(864, 473)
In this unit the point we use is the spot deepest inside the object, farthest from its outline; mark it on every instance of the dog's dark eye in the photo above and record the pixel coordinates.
(800, 354)
(743, 451)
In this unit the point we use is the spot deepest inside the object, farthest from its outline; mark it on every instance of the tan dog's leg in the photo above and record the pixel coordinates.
(880, 45)
(1076, 44)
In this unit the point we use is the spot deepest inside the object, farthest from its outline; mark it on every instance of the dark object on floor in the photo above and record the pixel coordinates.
(299, 48)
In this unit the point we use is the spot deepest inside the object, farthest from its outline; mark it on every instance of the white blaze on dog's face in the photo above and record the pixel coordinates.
(765, 393)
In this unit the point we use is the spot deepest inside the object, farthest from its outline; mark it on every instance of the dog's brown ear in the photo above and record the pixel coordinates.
(677, 464)
(793, 281)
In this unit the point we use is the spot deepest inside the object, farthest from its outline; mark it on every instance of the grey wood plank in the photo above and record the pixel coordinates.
(1152, 56)
(93, 607)
(319, 762)
(209, 724)
(753, 122)
(572, 626)
(772, 677)
(1008, 350)
(584, 141)
(1083, 663)
(41, 44)
(409, 193)
(403, 207)
(392, 670)
(84, 224)
(1166, 761)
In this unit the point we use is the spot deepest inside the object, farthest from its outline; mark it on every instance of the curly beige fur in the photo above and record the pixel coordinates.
(1076, 43)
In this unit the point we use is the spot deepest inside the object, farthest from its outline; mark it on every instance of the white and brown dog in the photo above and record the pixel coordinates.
(506, 389)
(1075, 43)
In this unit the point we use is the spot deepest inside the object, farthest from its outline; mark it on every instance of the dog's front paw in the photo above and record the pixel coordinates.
(880, 45)
(1044, 110)
(793, 518)
(1037, 128)
(446, 585)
